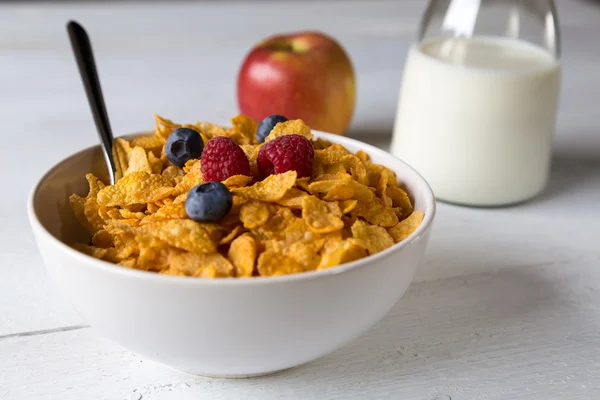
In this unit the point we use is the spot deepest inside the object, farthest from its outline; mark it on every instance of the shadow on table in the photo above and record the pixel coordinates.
(572, 171)
(439, 323)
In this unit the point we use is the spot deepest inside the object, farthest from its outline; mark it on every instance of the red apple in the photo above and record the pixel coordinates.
(304, 75)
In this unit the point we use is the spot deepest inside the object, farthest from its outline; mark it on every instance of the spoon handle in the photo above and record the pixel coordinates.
(84, 56)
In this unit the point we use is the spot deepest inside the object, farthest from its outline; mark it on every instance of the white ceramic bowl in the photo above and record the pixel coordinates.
(226, 327)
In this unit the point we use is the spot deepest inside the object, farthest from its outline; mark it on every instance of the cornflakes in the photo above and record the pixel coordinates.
(213, 265)
(102, 239)
(192, 177)
(333, 189)
(138, 162)
(168, 211)
(231, 235)
(273, 263)
(245, 129)
(304, 254)
(341, 252)
(319, 216)
(400, 200)
(406, 227)
(375, 212)
(108, 254)
(293, 198)
(348, 209)
(155, 163)
(237, 181)
(86, 209)
(138, 187)
(376, 238)
(292, 127)
(184, 234)
(152, 143)
(255, 214)
(347, 205)
(356, 168)
(273, 188)
(121, 154)
(242, 254)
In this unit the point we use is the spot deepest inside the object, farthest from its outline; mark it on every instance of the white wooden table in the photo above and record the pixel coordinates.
(506, 305)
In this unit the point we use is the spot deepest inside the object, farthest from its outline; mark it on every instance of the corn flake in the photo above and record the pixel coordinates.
(273, 188)
(341, 252)
(291, 127)
(348, 205)
(242, 254)
(108, 254)
(138, 162)
(320, 144)
(255, 214)
(165, 212)
(212, 265)
(156, 164)
(164, 127)
(333, 189)
(130, 262)
(235, 231)
(376, 238)
(155, 258)
(102, 239)
(293, 198)
(302, 183)
(375, 212)
(184, 234)
(237, 181)
(192, 177)
(320, 216)
(273, 263)
(406, 227)
(400, 199)
(246, 128)
(121, 153)
(364, 157)
(152, 143)
(356, 168)
(87, 210)
(208, 130)
(304, 254)
(138, 187)
(127, 214)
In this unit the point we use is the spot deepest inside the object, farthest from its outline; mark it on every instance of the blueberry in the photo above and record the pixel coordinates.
(266, 125)
(182, 145)
(208, 202)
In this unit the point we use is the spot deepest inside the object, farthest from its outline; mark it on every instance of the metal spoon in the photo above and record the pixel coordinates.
(84, 56)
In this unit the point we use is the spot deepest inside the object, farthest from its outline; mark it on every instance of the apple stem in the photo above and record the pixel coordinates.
(282, 47)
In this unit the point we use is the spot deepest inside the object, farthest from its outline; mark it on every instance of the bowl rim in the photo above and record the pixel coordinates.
(430, 204)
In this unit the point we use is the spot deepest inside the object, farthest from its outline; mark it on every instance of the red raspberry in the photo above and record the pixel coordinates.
(286, 153)
(222, 158)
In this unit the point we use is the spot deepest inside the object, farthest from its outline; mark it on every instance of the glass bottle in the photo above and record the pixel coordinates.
(477, 109)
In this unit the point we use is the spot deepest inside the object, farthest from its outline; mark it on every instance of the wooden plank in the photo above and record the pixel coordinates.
(522, 332)
(504, 306)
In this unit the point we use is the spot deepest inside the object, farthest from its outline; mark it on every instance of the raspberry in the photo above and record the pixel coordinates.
(286, 153)
(223, 158)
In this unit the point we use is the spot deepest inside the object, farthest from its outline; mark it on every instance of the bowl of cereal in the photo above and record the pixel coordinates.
(246, 260)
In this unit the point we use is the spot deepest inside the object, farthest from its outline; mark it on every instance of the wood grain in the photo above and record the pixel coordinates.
(529, 332)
